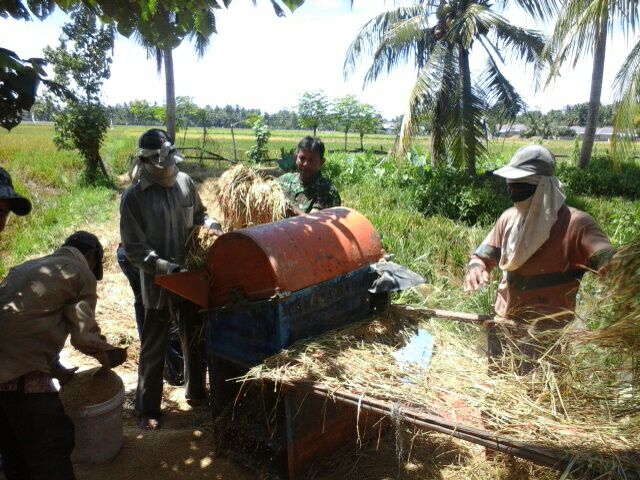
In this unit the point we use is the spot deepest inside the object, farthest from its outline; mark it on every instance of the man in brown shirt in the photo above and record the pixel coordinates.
(42, 302)
(543, 247)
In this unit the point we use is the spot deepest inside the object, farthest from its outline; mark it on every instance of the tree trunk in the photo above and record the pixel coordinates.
(315, 129)
(361, 144)
(345, 139)
(170, 118)
(596, 90)
(466, 122)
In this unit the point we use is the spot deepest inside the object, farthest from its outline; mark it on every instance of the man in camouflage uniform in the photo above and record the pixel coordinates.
(308, 190)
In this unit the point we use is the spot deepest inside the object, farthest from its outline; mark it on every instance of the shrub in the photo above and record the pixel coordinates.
(454, 195)
(603, 177)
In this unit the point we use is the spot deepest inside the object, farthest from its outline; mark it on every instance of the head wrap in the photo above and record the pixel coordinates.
(531, 226)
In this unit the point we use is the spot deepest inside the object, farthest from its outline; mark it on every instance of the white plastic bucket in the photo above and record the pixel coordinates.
(98, 431)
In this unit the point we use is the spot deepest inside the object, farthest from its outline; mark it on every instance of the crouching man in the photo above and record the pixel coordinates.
(42, 302)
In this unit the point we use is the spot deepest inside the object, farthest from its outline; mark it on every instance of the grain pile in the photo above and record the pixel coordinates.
(586, 407)
(90, 387)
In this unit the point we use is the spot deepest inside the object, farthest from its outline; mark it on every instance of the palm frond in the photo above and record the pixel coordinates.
(627, 96)
(575, 32)
(498, 93)
(538, 9)
(525, 44)
(430, 96)
(373, 33)
(408, 38)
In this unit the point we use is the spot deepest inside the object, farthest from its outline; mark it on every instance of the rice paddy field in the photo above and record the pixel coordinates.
(384, 189)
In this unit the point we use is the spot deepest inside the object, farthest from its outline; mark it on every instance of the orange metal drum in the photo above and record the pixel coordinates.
(289, 255)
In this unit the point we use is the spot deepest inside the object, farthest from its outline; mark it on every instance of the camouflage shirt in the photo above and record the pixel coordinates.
(319, 193)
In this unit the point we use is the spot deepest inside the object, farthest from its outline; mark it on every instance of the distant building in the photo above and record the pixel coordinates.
(510, 130)
(603, 134)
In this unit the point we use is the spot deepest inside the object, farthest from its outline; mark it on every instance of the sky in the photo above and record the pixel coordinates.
(258, 60)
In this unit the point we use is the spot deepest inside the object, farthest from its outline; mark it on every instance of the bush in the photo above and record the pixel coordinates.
(603, 177)
(457, 196)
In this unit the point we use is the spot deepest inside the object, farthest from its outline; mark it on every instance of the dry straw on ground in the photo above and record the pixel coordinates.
(573, 398)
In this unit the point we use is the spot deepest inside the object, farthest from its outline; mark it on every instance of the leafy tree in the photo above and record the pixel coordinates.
(312, 110)
(345, 114)
(581, 29)
(444, 90)
(187, 113)
(141, 112)
(82, 61)
(163, 24)
(367, 121)
(260, 152)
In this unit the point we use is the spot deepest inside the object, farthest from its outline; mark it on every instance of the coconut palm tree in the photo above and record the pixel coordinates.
(439, 38)
(581, 29)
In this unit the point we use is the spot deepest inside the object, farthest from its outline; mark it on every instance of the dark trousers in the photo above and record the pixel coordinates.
(36, 437)
(155, 332)
(174, 368)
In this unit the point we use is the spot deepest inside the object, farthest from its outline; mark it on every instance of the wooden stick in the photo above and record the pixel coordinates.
(461, 316)
(541, 455)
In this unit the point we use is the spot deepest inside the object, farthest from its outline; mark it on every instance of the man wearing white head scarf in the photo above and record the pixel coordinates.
(543, 246)
(157, 214)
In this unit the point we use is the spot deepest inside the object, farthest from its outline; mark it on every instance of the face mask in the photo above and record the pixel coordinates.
(519, 192)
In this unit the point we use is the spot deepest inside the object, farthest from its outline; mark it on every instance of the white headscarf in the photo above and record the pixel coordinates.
(531, 226)
(160, 167)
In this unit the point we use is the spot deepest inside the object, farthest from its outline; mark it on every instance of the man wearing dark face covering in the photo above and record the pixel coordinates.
(158, 212)
(42, 302)
(543, 247)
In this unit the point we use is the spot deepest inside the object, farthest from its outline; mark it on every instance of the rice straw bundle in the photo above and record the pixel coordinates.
(241, 197)
(585, 408)
(198, 244)
(622, 329)
(246, 198)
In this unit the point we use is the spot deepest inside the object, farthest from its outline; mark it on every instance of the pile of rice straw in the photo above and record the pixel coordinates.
(621, 328)
(578, 397)
(247, 198)
(240, 198)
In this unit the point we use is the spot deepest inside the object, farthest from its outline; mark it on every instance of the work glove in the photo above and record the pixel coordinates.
(163, 267)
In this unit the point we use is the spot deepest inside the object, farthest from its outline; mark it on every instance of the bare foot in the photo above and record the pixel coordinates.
(149, 423)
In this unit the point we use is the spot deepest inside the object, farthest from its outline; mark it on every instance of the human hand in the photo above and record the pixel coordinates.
(63, 374)
(477, 276)
(112, 358)
(214, 231)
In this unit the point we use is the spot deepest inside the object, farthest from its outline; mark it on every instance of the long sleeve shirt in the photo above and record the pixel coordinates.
(42, 302)
(155, 222)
